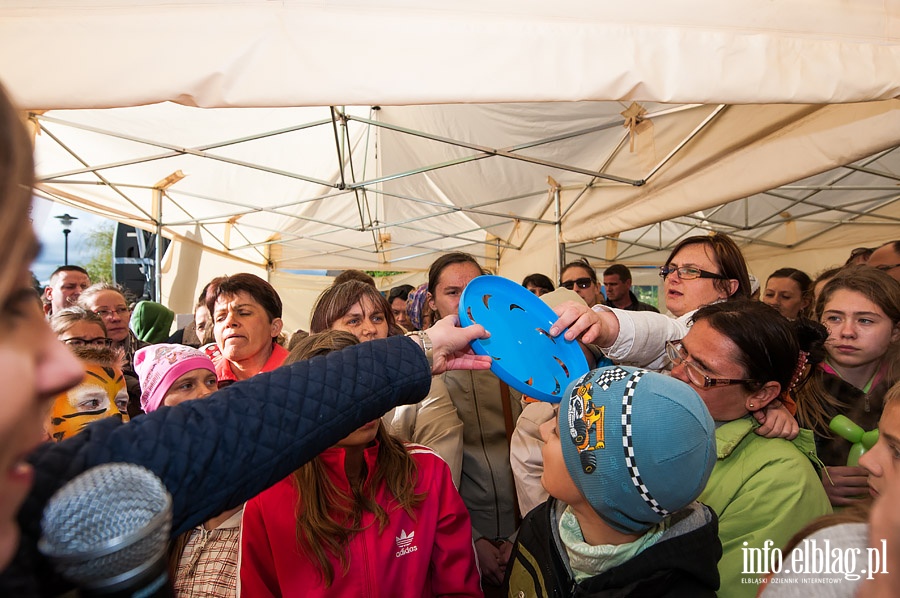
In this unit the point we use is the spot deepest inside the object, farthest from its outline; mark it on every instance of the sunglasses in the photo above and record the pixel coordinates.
(582, 283)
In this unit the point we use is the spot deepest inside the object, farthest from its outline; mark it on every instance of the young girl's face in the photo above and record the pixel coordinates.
(882, 461)
(361, 437)
(859, 332)
(195, 384)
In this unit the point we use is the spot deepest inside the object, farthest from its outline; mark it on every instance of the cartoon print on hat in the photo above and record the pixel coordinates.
(641, 444)
(586, 419)
(524, 354)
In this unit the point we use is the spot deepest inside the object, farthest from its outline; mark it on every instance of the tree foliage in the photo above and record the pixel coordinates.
(100, 248)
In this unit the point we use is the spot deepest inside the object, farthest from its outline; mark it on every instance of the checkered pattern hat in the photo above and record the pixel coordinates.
(638, 445)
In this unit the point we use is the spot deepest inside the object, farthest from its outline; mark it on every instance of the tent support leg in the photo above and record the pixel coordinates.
(557, 213)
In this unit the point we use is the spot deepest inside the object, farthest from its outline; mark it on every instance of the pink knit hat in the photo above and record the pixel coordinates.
(159, 366)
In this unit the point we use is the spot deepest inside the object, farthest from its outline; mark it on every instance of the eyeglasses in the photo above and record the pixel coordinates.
(677, 354)
(887, 267)
(582, 283)
(88, 342)
(689, 273)
(105, 313)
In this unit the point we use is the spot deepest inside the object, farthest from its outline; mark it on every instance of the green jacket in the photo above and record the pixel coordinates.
(761, 489)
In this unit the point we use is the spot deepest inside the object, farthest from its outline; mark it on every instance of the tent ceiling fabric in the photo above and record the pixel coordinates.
(480, 107)
(301, 188)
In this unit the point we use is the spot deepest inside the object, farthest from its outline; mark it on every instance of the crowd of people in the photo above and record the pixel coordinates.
(376, 454)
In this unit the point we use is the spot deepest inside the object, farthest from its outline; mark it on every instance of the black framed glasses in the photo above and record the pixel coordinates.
(119, 311)
(76, 341)
(689, 273)
(678, 355)
(582, 283)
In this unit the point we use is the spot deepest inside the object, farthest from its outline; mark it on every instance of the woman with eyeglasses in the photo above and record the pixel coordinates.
(109, 302)
(740, 356)
(700, 270)
(78, 327)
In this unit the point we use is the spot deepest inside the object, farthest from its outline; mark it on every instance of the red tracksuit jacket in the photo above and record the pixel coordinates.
(430, 554)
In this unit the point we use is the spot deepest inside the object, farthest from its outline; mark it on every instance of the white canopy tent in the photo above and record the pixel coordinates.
(356, 134)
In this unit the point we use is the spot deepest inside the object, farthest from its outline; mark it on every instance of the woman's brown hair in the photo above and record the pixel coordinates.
(728, 258)
(815, 405)
(327, 516)
(17, 241)
(336, 300)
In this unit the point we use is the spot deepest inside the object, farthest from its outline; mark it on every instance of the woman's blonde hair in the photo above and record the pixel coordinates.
(18, 244)
(64, 319)
(327, 516)
(99, 287)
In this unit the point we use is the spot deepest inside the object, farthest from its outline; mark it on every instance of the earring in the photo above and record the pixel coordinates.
(751, 404)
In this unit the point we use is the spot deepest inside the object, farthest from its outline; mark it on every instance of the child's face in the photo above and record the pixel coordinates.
(101, 394)
(195, 384)
(882, 461)
(361, 437)
(859, 332)
(556, 479)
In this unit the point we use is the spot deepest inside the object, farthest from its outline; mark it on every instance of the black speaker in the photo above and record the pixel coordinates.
(134, 252)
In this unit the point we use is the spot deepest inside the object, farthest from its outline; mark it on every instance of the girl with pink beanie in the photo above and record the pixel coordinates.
(203, 561)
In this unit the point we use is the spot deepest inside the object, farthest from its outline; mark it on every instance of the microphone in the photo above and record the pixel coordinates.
(107, 532)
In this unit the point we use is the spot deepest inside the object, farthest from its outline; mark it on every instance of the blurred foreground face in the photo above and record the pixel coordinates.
(882, 461)
(35, 367)
(101, 394)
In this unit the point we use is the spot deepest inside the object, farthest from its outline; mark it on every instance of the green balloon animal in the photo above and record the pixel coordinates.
(862, 440)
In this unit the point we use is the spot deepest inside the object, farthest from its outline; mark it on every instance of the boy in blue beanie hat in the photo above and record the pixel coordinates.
(624, 462)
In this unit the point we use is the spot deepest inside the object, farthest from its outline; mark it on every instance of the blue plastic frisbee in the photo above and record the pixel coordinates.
(525, 355)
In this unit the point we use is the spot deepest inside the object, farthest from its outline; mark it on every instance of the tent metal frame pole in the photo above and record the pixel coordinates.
(509, 152)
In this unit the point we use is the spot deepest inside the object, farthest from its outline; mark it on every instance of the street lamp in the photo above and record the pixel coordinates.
(66, 221)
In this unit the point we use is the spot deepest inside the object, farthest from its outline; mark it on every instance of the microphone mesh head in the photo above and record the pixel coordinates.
(106, 523)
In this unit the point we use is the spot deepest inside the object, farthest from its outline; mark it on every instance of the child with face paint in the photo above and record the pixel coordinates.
(101, 394)
(203, 561)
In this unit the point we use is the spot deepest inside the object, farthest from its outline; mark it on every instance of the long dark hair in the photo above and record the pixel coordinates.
(769, 344)
(815, 404)
(438, 266)
(328, 517)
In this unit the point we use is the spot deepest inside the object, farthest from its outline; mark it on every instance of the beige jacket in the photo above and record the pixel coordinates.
(486, 485)
(431, 422)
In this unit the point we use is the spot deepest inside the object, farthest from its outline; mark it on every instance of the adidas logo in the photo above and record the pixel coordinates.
(404, 541)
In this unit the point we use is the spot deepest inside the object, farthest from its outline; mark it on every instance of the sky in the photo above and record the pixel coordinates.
(49, 232)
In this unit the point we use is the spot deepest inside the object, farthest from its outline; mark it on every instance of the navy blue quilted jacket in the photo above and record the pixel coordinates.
(216, 453)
